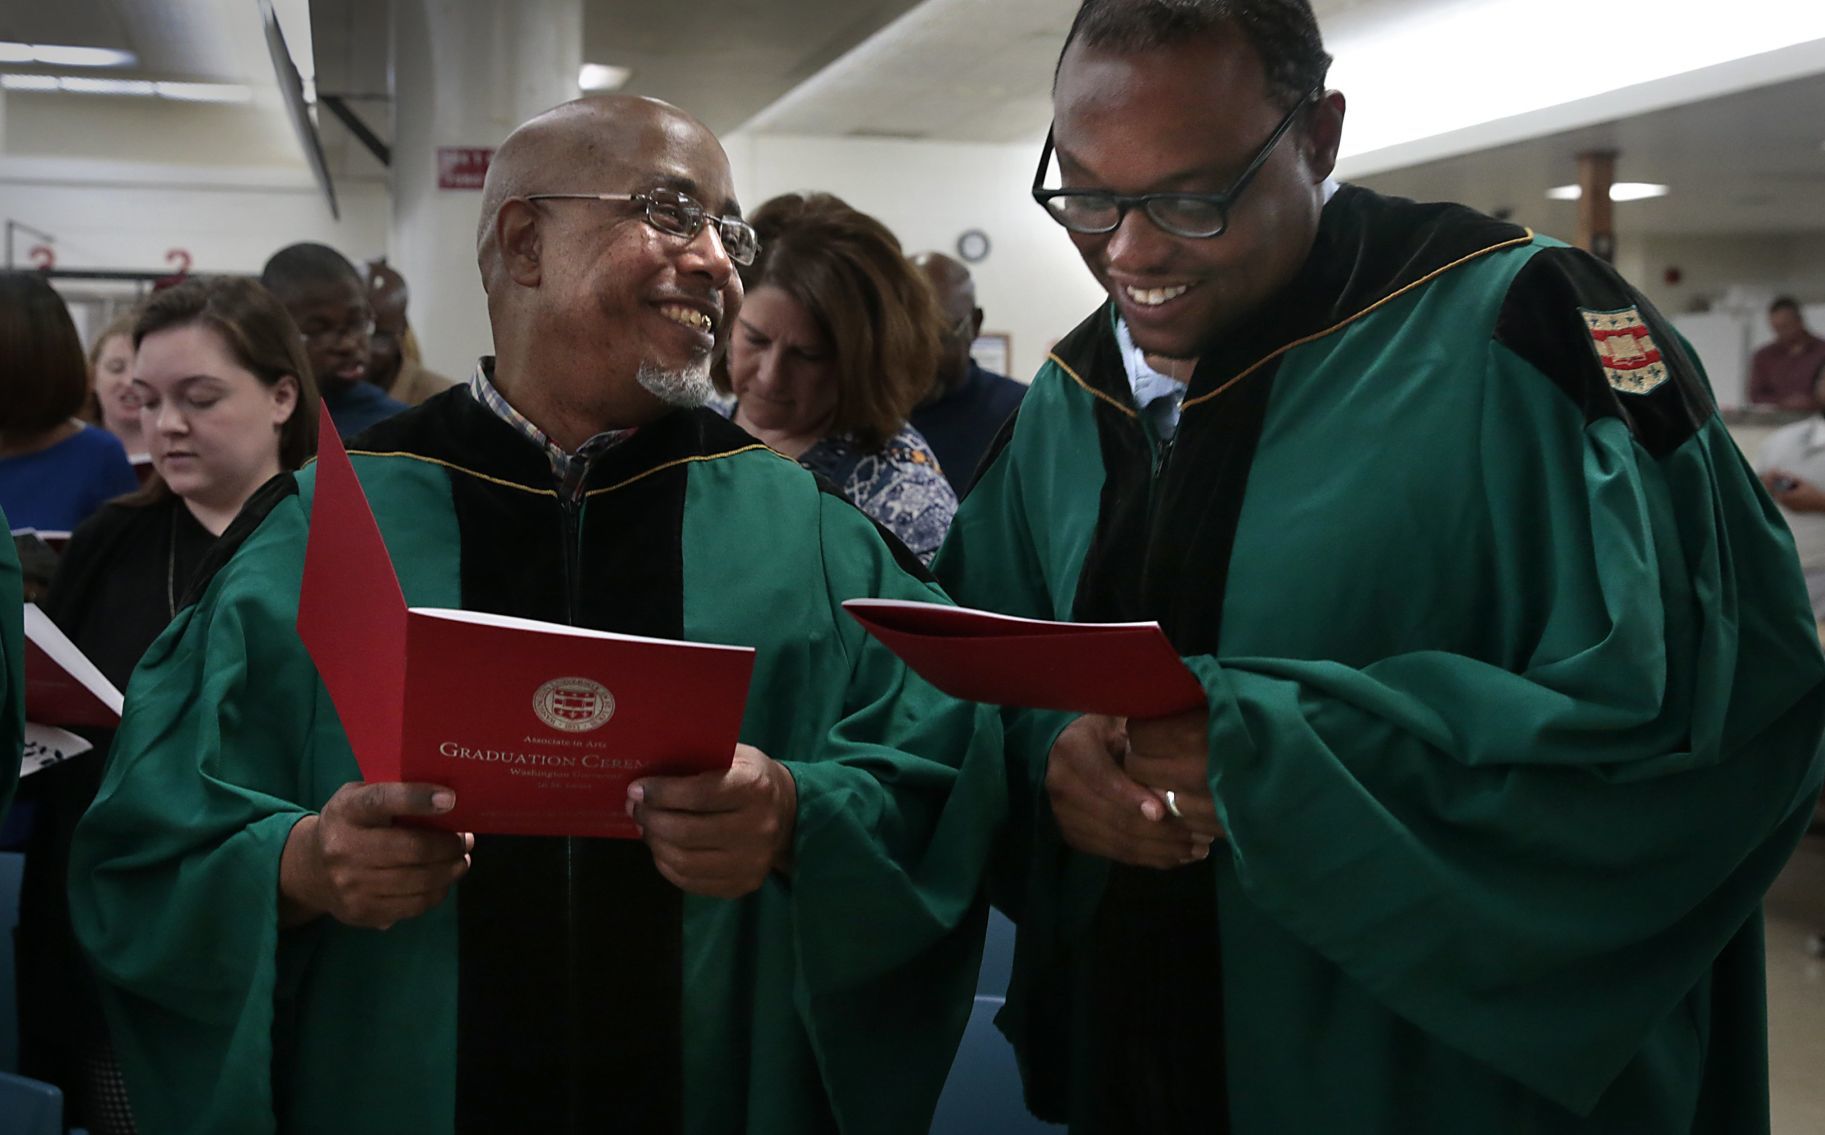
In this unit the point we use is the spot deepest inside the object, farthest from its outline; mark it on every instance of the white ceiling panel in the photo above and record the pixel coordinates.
(1749, 162)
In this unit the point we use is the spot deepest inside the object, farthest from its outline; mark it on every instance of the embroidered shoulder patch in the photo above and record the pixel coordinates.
(1630, 360)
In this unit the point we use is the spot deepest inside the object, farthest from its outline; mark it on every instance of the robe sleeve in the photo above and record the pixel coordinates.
(1536, 861)
(12, 672)
(989, 561)
(895, 819)
(175, 868)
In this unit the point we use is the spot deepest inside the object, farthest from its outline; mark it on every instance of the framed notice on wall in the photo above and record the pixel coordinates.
(463, 167)
(993, 350)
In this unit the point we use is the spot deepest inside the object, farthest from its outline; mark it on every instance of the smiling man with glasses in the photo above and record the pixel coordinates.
(1513, 698)
(790, 947)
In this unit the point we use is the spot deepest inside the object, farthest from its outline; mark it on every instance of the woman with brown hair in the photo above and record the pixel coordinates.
(836, 342)
(54, 469)
(227, 403)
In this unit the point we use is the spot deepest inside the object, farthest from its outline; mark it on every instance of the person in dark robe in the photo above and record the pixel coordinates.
(328, 300)
(967, 405)
(791, 946)
(226, 402)
(1513, 696)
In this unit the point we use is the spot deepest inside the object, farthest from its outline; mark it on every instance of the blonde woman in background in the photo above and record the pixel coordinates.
(112, 403)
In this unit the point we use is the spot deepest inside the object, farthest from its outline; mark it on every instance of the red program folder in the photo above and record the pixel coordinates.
(1120, 669)
(62, 687)
(538, 727)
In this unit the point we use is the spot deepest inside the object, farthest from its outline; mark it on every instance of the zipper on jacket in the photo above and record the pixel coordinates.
(571, 508)
(573, 552)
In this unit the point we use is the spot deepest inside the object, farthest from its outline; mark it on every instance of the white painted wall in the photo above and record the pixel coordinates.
(1032, 286)
(121, 182)
(1726, 269)
(130, 218)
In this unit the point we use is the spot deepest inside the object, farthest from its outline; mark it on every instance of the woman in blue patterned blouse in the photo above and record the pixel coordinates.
(837, 341)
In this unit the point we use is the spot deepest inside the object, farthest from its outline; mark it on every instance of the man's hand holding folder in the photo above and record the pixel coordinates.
(719, 833)
(353, 863)
(1127, 781)
(1110, 803)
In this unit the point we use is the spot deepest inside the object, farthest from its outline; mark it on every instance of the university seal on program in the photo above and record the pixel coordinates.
(574, 705)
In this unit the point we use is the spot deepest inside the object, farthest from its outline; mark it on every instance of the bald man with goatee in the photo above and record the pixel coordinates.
(789, 947)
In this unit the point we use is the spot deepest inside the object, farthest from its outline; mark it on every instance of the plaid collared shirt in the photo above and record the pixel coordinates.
(568, 469)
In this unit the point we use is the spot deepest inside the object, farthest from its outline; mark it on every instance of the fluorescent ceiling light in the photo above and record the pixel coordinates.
(58, 56)
(602, 77)
(80, 85)
(205, 92)
(1620, 191)
(142, 88)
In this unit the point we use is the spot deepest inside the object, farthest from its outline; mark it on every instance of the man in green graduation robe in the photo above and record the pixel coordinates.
(276, 955)
(1513, 696)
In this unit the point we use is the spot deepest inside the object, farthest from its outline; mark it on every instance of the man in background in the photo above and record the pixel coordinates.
(1512, 699)
(394, 362)
(967, 405)
(1783, 372)
(329, 302)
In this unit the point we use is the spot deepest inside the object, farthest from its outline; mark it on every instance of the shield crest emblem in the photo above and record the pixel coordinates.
(1626, 350)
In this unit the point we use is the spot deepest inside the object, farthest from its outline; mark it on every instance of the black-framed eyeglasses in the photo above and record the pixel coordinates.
(1195, 215)
(362, 328)
(677, 214)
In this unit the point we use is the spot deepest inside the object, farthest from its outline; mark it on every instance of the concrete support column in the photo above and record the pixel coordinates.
(1596, 212)
(465, 73)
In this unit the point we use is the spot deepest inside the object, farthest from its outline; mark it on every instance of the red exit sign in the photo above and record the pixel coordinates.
(462, 167)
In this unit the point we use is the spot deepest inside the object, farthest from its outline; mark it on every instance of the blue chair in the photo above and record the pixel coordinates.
(12, 870)
(997, 957)
(29, 1107)
(982, 1095)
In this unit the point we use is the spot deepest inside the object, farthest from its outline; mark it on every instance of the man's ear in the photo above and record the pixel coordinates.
(1324, 134)
(519, 239)
(976, 324)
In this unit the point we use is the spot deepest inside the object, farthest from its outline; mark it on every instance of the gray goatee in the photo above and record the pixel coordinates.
(688, 387)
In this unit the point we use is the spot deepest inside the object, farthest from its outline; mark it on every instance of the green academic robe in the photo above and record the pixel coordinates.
(1515, 699)
(564, 986)
(12, 671)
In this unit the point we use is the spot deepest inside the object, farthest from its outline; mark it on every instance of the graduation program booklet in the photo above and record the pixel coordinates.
(62, 687)
(1119, 669)
(538, 727)
(46, 746)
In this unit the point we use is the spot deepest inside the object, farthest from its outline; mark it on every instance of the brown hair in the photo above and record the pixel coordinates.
(846, 269)
(260, 337)
(43, 378)
(122, 324)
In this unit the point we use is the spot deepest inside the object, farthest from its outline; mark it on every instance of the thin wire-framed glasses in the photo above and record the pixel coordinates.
(1195, 215)
(677, 214)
